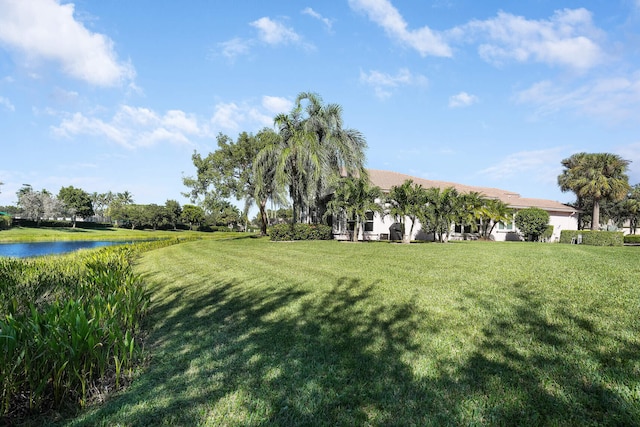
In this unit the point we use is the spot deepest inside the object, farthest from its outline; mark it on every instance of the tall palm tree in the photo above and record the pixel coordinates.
(595, 176)
(313, 151)
(354, 197)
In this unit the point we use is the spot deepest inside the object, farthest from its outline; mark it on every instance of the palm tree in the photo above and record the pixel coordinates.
(492, 213)
(405, 202)
(597, 177)
(313, 151)
(442, 209)
(628, 209)
(354, 197)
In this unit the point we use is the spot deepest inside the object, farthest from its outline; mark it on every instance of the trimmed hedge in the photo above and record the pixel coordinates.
(21, 222)
(593, 238)
(632, 238)
(286, 232)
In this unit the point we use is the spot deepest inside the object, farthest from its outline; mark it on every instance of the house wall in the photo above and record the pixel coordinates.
(384, 229)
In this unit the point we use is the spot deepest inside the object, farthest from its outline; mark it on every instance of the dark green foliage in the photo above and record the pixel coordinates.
(66, 323)
(5, 222)
(286, 232)
(593, 238)
(532, 222)
(547, 233)
(632, 238)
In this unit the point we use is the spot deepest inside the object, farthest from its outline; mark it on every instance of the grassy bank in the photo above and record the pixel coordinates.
(250, 333)
(44, 234)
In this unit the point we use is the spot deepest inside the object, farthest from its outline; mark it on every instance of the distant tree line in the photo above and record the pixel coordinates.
(71, 204)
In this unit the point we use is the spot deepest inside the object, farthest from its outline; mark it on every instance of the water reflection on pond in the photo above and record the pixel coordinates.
(31, 249)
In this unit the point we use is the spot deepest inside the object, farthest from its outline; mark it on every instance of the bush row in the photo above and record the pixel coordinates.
(593, 238)
(286, 232)
(632, 238)
(67, 323)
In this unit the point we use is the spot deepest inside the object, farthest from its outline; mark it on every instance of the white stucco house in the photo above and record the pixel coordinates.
(377, 227)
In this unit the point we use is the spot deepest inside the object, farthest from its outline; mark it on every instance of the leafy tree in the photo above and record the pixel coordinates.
(313, 150)
(405, 202)
(173, 211)
(532, 222)
(155, 215)
(222, 212)
(135, 215)
(192, 215)
(354, 197)
(627, 210)
(231, 171)
(596, 177)
(76, 202)
(441, 209)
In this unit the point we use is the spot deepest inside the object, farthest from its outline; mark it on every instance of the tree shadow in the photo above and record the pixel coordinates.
(274, 355)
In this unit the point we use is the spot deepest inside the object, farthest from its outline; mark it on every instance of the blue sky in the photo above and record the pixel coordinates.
(117, 94)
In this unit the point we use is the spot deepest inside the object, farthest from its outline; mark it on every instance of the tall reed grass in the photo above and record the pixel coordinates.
(68, 323)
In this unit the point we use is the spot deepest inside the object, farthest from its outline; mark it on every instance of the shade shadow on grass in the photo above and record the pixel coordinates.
(282, 356)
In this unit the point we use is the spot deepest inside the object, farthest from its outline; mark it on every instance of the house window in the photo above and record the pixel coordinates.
(368, 223)
(459, 228)
(507, 227)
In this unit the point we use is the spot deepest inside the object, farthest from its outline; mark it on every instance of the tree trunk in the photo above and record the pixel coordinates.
(356, 229)
(263, 217)
(595, 217)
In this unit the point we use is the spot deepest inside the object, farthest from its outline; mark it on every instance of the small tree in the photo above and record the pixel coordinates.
(77, 202)
(192, 214)
(354, 197)
(405, 202)
(532, 222)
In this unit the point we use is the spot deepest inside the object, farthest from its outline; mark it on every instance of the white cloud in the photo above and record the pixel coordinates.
(235, 47)
(4, 102)
(179, 120)
(233, 117)
(424, 40)
(612, 99)
(569, 38)
(227, 116)
(541, 165)
(276, 105)
(47, 30)
(384, 83)
(463, 99)
(133, 127)
(78, 124)
(327, 22)
(274, 33)
(631, 152)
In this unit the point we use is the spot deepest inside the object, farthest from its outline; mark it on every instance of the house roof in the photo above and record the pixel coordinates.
(387, 179)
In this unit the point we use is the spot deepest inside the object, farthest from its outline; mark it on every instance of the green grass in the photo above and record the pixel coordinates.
(254, 333)
(44, 234)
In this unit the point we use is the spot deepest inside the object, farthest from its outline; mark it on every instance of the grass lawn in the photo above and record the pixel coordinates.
(253, 333)
(45, 234)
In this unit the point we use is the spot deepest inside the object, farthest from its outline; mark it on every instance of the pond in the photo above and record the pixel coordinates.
(31, 249)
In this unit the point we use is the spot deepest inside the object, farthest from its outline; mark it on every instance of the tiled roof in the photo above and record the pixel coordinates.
(387, 179)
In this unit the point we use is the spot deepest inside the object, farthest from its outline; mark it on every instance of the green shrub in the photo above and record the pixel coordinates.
(593, 238)
(532, 223)
(5, 222)
(286, 232)
(547, 234)
(632, 238)
(68, 321)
